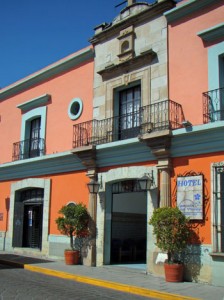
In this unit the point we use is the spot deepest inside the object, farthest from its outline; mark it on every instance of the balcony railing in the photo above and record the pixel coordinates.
(28, 148)
(213, 106)
(154, 117)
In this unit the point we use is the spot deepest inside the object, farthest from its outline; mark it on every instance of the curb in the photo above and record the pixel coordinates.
(107, 284)
(101, 283)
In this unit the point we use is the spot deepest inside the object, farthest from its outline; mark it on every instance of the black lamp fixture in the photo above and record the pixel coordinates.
(93, 186)
(146, 182)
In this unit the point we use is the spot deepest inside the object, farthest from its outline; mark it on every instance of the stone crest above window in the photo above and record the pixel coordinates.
(126, 44)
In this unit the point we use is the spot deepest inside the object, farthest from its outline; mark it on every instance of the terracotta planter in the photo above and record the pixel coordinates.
(174, 272)
(71, 257)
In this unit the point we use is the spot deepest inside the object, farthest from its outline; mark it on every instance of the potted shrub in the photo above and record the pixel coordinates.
(73, 222)
(172, 232)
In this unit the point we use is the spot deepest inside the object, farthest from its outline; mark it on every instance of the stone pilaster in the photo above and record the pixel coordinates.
(164, 182)
(87, 155)
(159, 143)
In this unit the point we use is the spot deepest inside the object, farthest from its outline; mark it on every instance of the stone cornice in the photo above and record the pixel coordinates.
(196, 141)
(40, 166)
(177, 143)
(212, 33)
(186, 8)
(48, 72)
(33, 103)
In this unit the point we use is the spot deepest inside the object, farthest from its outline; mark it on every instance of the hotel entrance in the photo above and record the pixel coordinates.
(128, 223)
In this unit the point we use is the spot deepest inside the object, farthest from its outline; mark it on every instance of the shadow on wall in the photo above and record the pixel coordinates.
(192, 259)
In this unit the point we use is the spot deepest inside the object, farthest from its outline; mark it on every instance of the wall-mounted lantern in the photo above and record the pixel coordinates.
(93, 186)
(147, 182)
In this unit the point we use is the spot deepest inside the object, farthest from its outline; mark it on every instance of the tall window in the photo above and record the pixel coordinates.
(129, 112)
(221, 85)
(34, 141)
(218, 207)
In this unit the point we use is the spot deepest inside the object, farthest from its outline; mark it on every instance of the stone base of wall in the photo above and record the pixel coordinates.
(2, 240)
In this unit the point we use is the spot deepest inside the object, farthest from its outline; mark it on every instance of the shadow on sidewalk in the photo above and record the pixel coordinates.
(19, 261)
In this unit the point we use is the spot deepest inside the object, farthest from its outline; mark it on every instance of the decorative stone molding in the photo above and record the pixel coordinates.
(159, 143)
(128, 65)
(126, 44)
(87, 155)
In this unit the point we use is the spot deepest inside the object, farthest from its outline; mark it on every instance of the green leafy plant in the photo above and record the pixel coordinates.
(73, 222)
(172, 230)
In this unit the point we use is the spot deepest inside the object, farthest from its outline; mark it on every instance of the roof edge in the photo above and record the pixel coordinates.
(185, 9)
(48, 72)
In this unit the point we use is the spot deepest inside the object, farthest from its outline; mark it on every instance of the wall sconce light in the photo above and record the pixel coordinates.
(186, 123)
(93, 186)
(146, 182)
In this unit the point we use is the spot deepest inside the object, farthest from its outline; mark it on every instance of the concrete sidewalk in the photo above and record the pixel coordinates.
(127, 279)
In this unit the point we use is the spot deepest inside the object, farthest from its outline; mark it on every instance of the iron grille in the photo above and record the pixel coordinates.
(166, 114)
(213, 106)
(218, 207)
(28, 148)
(126, 186)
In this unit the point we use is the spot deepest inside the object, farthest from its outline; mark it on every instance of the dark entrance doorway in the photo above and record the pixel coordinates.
(32, 226)
(28, 218)
(128, 225)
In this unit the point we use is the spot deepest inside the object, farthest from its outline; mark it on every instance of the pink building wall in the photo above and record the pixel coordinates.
(188, 59)
(74, 83)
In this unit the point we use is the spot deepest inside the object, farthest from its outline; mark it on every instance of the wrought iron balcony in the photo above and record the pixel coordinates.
(166, 114)
(213, 106)
(28, 148)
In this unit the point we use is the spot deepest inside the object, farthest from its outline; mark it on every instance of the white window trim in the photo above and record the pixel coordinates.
(37, 112)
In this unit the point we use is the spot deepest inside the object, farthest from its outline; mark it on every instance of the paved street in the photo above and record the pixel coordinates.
(22, 284)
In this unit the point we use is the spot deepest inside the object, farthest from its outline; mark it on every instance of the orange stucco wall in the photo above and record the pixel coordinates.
(198, 164)
(75, 83)
(4, 194)
(188, 61)
(65, 188)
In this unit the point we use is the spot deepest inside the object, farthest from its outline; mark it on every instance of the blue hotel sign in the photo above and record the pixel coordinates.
(190, 196)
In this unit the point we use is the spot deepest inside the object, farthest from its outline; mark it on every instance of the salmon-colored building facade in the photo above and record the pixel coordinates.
(142, 105)
(196, 80)
(38, 172)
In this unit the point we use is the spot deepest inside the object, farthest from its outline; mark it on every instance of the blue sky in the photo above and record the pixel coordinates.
(36, 33)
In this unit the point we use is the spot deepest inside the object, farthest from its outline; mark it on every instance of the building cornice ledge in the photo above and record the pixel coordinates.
(48, 72)
(185, 9)
(212, 33)
(41, 100)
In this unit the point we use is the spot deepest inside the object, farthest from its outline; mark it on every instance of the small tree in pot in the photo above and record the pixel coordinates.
(73, 222)
(171, 228)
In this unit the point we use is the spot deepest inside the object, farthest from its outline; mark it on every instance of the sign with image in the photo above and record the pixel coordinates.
(190, 196)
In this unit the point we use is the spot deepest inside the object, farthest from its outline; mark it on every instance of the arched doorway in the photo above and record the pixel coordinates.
(128, 223)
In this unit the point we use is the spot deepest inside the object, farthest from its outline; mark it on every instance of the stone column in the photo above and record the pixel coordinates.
(164, 182)
(159, 143)
(89, 248)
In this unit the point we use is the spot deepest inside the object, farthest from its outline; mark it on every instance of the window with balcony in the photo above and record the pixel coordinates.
(213, 100)
(32, 142)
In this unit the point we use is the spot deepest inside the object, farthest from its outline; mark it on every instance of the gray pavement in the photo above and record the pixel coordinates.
(123, 278)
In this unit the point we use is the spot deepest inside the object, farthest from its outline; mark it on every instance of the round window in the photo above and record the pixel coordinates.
(75, 108)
